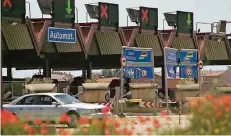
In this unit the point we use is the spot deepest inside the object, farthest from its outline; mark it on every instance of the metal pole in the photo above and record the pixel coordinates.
(153, 72)
(122, 82)
(1, 60)
(199, 70)
(202, 23)
(180, 110)
(117, 96)
(163, 23)
(127, 20)
(86, 17)
(166, 81)
(29, 9)
(12, 90)
(199, 80)
(77, 14)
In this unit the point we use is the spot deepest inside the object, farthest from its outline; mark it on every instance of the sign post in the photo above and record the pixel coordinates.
(170, 65)
(136, 63)
(200, 66)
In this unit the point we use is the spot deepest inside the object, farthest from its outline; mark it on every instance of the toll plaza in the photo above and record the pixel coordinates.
(61, 43)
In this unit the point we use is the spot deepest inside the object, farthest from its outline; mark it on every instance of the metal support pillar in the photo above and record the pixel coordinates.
(47, 69)
(163, 78)
(84, 74)
(9, 72)
(89, 70)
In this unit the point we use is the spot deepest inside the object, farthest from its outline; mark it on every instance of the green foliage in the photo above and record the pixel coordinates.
(92, 80)
(39, 81)
(210, 116)
(186, 81)
(16, 129)
(107, 73)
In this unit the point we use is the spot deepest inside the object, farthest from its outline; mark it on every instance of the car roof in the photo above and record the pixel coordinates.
(34, 94)
(50, 94)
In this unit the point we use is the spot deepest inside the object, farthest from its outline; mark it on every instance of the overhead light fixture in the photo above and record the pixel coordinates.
(134, 15)
(93, 10)
(170, 18)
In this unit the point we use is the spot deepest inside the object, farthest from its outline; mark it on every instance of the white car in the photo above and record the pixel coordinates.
(51, 106)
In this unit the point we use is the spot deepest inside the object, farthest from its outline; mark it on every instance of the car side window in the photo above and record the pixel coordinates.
(46, 100)
(29, 100)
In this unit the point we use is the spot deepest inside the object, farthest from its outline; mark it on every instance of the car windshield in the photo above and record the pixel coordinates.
(66, 99)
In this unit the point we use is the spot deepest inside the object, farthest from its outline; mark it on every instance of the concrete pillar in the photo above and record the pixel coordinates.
(89, 70)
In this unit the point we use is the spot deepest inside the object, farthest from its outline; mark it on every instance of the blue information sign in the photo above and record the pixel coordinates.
(135, 55)
(171, 70)
(188, 72)
(171, 55)
(61, 35)
(139, 72)
(188, 56)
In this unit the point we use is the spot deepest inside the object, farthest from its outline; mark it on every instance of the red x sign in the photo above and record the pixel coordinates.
(104, 11)
(7, 2)
(144, 14)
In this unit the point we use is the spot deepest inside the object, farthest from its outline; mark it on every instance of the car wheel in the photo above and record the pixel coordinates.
(73, 119)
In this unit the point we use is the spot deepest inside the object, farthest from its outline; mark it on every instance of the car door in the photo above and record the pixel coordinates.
(36, 108)
(49, 111)
(25, 108)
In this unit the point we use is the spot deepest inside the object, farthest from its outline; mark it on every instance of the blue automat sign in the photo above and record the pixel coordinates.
(137, 55)
(171, 55)
(188, 56)
(139, 72)
(188, 72)
(62, 35)
(171, 70)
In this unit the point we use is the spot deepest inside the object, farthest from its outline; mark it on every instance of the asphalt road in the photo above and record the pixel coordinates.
(139, 128)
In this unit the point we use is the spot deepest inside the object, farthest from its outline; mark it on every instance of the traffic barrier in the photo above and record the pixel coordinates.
(158, 104)
(110, 105)
(150, 104)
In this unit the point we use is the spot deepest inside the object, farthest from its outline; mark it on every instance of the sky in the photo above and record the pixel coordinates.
(204, 11)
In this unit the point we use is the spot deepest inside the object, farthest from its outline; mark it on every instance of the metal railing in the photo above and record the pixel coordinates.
(15, 87)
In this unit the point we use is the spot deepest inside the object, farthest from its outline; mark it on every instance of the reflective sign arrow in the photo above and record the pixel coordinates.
(189, 19)
(69, 7)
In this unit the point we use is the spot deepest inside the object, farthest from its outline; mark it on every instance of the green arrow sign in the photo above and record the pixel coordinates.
(189, 19)
(68, 9)
(184, 22)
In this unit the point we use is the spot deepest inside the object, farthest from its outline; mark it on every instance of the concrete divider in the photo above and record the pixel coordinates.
(94, 92)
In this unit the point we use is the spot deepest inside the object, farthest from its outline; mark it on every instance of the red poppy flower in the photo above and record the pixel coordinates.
(43, 131)
(37, 121)
(156, 123)
(84, 121)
